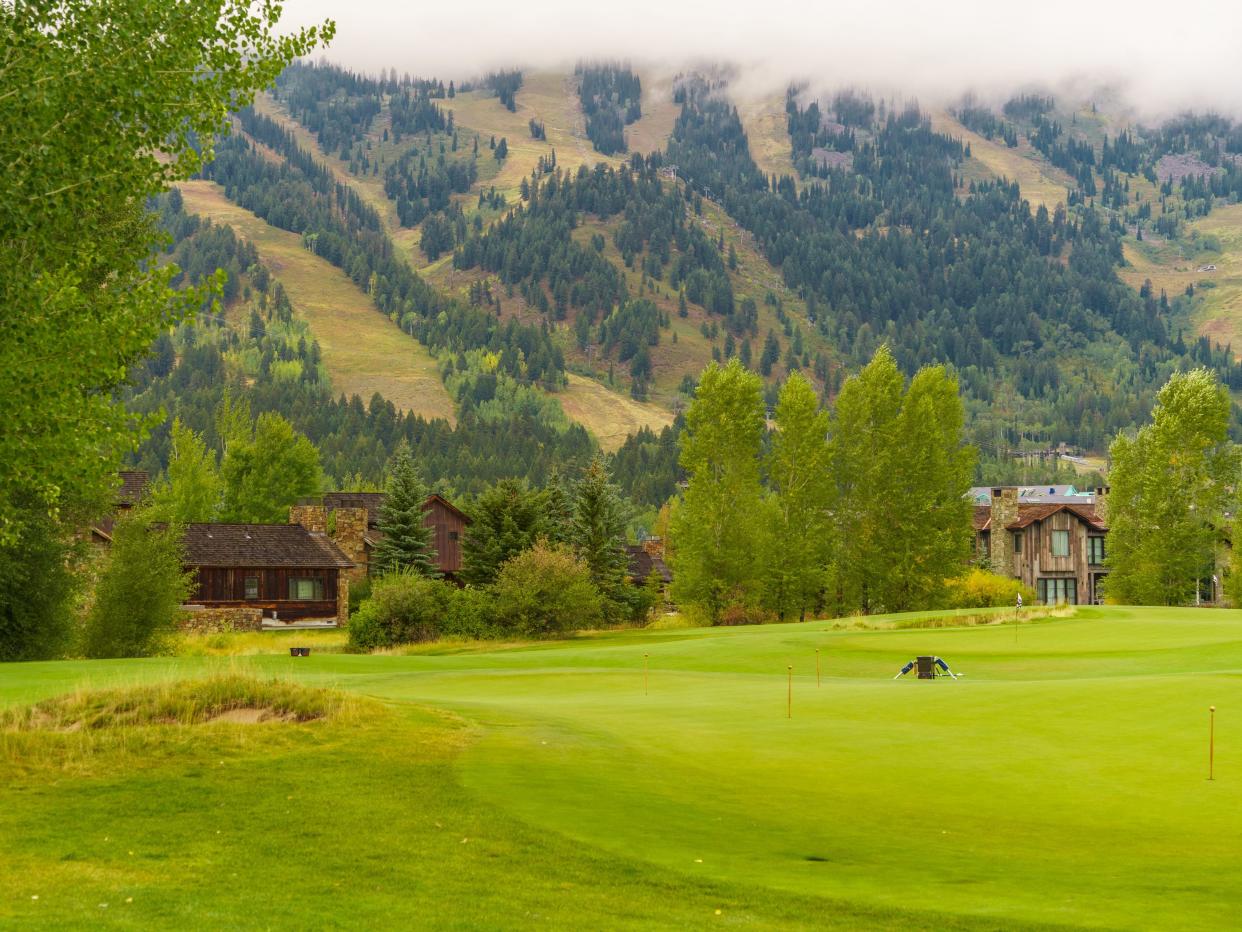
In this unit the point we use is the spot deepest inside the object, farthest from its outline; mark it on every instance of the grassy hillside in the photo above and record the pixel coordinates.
(1039, 181)
(549, 97)
(650, 132)
(611, 415)
(1062, 782)
(1173, 265)
(768, 133)
(363, 350)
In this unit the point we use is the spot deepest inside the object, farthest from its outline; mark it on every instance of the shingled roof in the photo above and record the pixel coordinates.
(1029, 514)
(134, 484)
(260, 545)
(373, 501)
(643, 564)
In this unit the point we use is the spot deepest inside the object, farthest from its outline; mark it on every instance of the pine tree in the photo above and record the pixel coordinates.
(559, 508)
(408, 542)
(598, 532)
(507, 519)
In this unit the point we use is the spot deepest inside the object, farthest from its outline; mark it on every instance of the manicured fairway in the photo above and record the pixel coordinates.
(1062, 781)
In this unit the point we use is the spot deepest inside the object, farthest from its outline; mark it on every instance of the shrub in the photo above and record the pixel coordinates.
(140, 591)
(471, 614)
(359, 592)
(741, 614)
(404, 608)
(36, 591)
(545, 591)
(980, 589)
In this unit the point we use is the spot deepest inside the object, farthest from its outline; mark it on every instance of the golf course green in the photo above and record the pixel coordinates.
(1062, 781)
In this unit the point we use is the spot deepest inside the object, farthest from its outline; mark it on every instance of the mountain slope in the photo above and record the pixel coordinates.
(364, 351)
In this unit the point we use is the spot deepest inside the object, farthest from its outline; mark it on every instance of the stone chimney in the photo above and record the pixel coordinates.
(312, 516)
(1004, 512)
(351, 528)
(654, 546)
(1101, 503)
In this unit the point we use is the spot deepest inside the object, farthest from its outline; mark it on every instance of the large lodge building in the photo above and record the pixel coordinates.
(1052, 538)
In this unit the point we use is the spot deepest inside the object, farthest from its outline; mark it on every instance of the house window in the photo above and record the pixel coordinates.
(304, 589)
(252, 587)
(1095, 551)
(453, 535)
(1017, 543)
(1060, 543)
(1057, 590)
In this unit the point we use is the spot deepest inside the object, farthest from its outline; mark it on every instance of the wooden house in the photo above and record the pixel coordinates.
(134, 487)
(352, 520)
(1056, 547)
(284, 570)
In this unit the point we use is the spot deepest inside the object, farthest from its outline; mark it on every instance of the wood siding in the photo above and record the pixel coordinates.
(1036, 561)
(217, 587)
(448, 529)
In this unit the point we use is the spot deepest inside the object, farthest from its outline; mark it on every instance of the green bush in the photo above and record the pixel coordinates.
(981, 589)
(36, 591)
(404, 608)
(471, 614)
(140, 592)
(359, 590)
(545, 591)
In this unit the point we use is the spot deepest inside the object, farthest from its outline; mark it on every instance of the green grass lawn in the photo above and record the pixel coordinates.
(1062, 781)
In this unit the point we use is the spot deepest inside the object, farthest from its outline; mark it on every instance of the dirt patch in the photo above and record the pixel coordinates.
(1185, 165)
(248, 717)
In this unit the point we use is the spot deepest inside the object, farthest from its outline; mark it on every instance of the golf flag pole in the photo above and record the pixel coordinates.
(644, 674)
(817, 683)
(789, 695)
(1211, 742)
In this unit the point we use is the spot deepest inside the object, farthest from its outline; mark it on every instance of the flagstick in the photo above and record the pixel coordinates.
(1211, 742)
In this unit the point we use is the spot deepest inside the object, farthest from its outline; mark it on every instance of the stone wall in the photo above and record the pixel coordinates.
(203, 620)
(342, 600)
(1004, 512)
(312, 517)
(1101, 503)
(350, 529)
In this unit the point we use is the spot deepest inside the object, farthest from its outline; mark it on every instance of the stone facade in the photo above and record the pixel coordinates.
(342, 601)
(349, 533)
(312, 517)
(200, 620)
(1004, 513)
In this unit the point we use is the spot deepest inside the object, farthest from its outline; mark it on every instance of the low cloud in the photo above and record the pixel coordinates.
(1157, 59)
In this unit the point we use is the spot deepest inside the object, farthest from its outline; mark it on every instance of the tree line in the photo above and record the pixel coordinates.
(299, 195)
(861, 509)
(611, 95)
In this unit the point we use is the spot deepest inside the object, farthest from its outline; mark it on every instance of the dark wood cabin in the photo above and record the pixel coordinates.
(134, 488)
(284, 569)
(645, 560)
(447, 521)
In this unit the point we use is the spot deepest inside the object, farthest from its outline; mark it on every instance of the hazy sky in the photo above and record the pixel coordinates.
(1165, 56)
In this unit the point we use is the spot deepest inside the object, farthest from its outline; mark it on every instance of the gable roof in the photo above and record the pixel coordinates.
(981, 518)
(374, 501)
(643, 564)
(134, 484)
(261, 545)
(1029, 514)
(433, 498)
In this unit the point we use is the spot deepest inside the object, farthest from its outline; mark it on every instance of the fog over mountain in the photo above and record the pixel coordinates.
(1160, 60)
